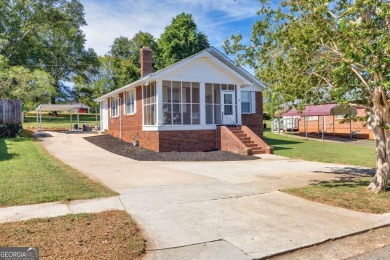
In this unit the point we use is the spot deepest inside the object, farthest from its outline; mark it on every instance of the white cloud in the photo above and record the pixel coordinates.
(110, 19)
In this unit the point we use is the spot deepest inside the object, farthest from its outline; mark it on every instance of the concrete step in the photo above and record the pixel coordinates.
(258, 152)
(257, 148)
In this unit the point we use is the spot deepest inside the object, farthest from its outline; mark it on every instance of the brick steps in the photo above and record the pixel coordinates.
(256, 149)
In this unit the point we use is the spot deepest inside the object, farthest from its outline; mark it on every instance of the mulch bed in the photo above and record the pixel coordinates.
(106, 235)
(119, 147)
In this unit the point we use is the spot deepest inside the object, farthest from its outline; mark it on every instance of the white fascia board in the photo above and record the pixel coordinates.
(252, 88)
(236, 68)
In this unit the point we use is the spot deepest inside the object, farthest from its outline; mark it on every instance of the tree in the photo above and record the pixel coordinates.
(32, 87)
(46, 34)
(129, 49)
(125, 57)
(316, 51)
(180, 40)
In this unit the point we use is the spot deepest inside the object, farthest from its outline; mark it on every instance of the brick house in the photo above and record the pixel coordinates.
(201, 103)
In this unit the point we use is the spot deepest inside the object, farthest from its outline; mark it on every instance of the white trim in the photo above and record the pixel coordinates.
(253, 102)
(131, 91)
(228, 119)
(117, 106)
(238, 105)
(178, 127)
(159, 102)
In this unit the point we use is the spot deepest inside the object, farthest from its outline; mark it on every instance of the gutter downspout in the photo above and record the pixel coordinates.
(120, 118)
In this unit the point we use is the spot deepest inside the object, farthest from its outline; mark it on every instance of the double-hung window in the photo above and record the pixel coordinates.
(248, 102)
(130, 102)
(115, 107)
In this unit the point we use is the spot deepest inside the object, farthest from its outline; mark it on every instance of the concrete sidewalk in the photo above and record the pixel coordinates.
(55, 209)
(217, 210)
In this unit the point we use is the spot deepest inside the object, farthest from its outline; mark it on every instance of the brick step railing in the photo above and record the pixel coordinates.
(254, 143)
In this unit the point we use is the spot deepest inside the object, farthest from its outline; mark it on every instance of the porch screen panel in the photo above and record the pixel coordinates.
(149, 105)
(181, 103)
(213, 103)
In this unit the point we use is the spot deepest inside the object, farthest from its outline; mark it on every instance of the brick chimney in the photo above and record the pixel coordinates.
(146, 61)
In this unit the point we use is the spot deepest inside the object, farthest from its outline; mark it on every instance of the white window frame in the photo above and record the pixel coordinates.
(114, 102)
(250, 102)
(132, 94)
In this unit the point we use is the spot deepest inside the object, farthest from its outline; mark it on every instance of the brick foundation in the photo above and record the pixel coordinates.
(187, 141)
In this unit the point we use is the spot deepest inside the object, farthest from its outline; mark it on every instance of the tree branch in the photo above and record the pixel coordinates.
(362, 80)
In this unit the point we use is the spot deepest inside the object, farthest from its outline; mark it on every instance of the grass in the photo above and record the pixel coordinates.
(106, 235)
(346, 193)
(29, 175)
(61, 121)
(312, 150)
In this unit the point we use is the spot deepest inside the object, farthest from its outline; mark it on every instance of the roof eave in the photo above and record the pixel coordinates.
(119, 90)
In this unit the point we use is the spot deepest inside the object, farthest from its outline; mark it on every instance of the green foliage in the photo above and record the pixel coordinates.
(46, 34)
(179, 40)
(11, 130)
(32, 87)
(318, 51)
(129, 49)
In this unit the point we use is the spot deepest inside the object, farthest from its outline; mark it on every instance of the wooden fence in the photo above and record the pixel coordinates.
(11, 111)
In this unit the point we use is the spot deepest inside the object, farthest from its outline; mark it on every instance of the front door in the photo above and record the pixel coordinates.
(228, 108)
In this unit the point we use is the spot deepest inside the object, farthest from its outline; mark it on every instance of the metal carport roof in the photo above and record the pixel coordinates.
(322, 110)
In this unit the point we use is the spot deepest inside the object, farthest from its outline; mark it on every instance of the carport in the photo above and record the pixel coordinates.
(71, 108)
(323, 110)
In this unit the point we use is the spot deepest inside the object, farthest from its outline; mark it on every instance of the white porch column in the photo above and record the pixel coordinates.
(202, 92)
(238, 105)
(159, 100)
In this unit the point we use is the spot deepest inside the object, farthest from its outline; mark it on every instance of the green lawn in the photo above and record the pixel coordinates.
(62, 120)
(28, 175)
(346, 193)
(312, 150)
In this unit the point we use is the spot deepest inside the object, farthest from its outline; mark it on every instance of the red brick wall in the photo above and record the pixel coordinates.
(187, 141)
(255, 121)
(227, 141)
(315, 126)
(132, 125)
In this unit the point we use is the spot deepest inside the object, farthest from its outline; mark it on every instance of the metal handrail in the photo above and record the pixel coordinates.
(246, 139)
(223, 115)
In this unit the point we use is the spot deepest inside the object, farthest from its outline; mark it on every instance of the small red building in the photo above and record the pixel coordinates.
(204, 102)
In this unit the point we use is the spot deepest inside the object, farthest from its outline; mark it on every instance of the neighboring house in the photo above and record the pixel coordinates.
(328, 118)
(201, 103)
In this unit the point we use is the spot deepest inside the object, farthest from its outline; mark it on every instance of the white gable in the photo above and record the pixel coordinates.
(203, 69)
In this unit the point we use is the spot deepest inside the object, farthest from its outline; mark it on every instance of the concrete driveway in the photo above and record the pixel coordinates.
(218, 210)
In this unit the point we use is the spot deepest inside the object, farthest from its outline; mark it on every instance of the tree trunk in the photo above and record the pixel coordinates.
(380, 123)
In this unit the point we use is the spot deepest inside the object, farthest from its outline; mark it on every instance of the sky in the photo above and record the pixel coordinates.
(218, 19)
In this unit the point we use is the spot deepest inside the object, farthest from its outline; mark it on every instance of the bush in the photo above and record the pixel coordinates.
(267, 116)
(11, 130)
